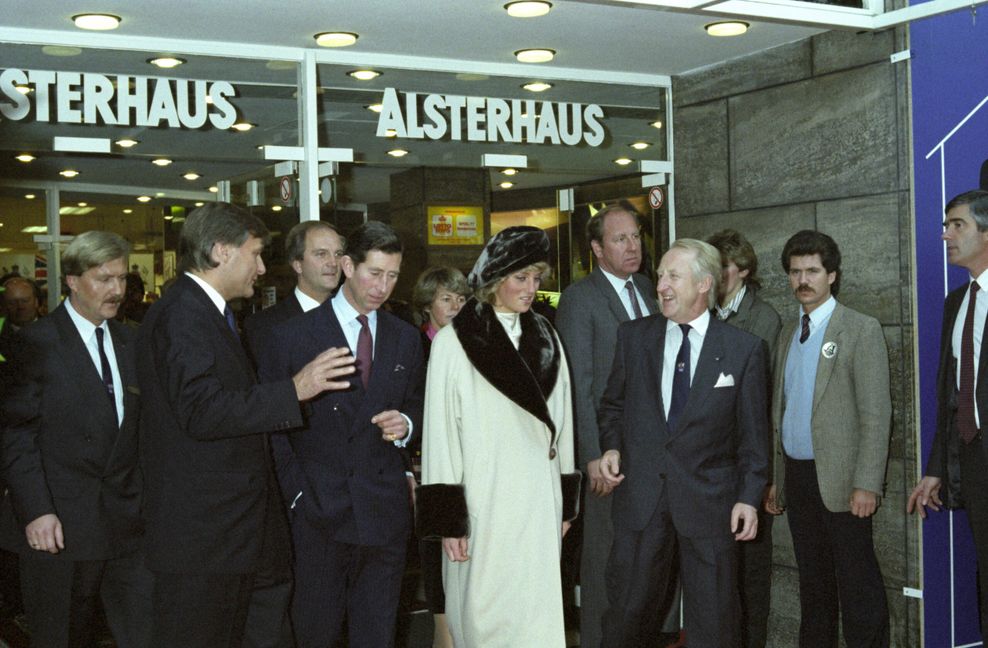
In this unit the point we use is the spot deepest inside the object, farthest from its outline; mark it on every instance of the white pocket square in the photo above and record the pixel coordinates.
(724, 381)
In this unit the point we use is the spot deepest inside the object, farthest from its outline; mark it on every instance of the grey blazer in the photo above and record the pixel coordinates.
(587, 320)
(758, 318)
(852, 408)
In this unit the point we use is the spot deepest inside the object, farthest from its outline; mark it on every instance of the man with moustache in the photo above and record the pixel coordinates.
(683, 426)
(72, 510)
(314, 249)
(217, 537)
(831, 413)
(342, 471)
(589, 313)
(957, 469)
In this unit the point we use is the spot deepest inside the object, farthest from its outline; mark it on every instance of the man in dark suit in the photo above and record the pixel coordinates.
(342, 473)
(314, 249)
(217, 537)
(957, 470)
(684, 416)
(70, 460)
(587, 319)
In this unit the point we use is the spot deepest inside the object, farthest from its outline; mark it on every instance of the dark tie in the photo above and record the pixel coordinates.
(230, 320)
(804, 332)
(680, 379)
(104, 365)
(365, 350)
(966, 424)
(635, 306)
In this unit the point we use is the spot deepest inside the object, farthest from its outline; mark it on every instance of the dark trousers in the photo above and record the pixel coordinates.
(207, 610)
(838, 570)
(639, 573)
(755, 557)
(974, 492)
(336, 581)
(62, 599)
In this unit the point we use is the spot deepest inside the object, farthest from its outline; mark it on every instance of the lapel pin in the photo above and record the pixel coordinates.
(829, 350)
(399, 367)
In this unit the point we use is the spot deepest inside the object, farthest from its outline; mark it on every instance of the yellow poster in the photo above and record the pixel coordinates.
(456, 225)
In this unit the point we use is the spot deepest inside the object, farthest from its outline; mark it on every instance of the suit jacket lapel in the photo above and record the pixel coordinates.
(825, 367)
(610, 296)
(79, 363)
(707, 371)
(656, 357)
(385, 352)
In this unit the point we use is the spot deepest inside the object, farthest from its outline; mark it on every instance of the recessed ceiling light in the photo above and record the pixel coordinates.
(200, 204)
(540, 55)
(29, 196)
(390, 132)
(126, 142)
(727, 28)
(214, 189)
(128, 211)
(639, 146)
(160, 194)
(84, 204)
(398, 153)
(162, 162)
(506, 185)
(364, 75)
(35, 229)
(336, 39)
(96, 21)
(23, 89)
(375, 107)
(623, 161)
(25, 157)
(61, 50)
(242, 126)
(191, 175)
(144, 199)
(276, 208)
(656, 124)
(528, 8)
(509, 172)
(68, 173)
(168, 217)
(167, 62)
(537, 86)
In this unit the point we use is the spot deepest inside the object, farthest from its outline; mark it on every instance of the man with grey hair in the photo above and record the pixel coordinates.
(695, 457)
(217, 536)
(70, 459)
(314, 250)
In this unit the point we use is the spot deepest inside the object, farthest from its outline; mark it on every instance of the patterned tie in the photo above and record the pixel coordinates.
(966, 423)
(680, 379)
(365, 350)
(804, 332)
(635, 306)
(105, 372)
(230, 321)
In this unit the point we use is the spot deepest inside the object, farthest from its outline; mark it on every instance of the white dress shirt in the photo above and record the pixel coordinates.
(674, 339)
(307, 303)
(980, 312)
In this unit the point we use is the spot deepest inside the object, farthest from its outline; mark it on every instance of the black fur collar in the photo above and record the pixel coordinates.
(526, 376)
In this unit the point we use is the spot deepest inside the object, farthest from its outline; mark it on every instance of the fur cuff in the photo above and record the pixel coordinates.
(441, 511)
(571, 495)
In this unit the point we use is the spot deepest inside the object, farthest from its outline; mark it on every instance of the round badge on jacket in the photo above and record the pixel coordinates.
(829, 350)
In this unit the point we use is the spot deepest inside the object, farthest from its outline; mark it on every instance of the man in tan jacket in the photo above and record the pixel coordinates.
(831, 413)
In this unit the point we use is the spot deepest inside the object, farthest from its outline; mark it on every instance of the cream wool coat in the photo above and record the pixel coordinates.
(508, 594)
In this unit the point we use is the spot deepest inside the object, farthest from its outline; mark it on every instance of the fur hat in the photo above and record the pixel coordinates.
(507, 251)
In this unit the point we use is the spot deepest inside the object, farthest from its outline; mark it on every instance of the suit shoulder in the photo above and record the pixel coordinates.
(856, 319)
(576, 290)
(401, 325)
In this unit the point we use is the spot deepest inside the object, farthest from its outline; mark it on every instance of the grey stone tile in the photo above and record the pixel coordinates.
(783, 620)
(906, 241)
(839, 50)
(890, 529)
(407, 188)
(819, 139)
(701, 159)
(767, 229)
(867, 231)
(782, 64)
(901, 409)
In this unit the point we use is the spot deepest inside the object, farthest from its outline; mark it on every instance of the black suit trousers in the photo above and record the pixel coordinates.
(974, 492)
(639, 571)
(838, 570)
(62, 599)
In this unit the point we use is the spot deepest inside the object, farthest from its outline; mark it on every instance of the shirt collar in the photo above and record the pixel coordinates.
(733, 305)
(86, 328)
(617, 282)
(346, 313)
(307, 303)
(982, 280)
(214, 295)
(699, 325)
(822, 313)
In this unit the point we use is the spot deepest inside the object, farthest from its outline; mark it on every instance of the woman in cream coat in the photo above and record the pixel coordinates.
(497, 465)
